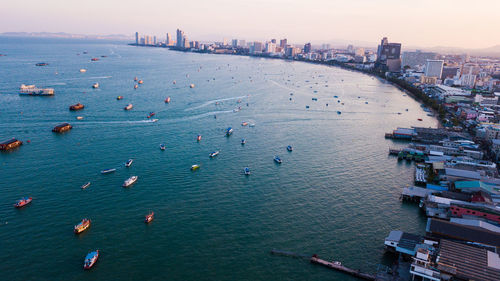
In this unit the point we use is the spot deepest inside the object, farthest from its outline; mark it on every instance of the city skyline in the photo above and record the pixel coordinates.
(425, 25)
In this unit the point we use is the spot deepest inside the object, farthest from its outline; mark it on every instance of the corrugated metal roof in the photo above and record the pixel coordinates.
(463, 232)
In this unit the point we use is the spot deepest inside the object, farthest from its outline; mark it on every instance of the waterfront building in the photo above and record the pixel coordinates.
(256, 47)
(180, 39)
(224, 42)
(185, 42)
(243, 43)
(307, 48)
(270, 47)
(417, 58)
(168, 40)
(234, 43)
(388, 56)
(350, 49)
(154, 40)
(434, 68)
(283, 43)
(137, 38)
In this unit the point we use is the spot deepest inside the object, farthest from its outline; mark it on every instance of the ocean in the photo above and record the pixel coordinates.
(336, 194)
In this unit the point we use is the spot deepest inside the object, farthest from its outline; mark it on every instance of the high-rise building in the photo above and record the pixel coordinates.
(137, 38)
(270, 47)
(434, 68)
(273, 41)
(180, 39)
(413, 59)
(389, 56)
(307, 48)
(185, 42)
(283, 43)
(350, 49)
(168, 40)
(234, 43)
(359, 52)
(257, 47)
(450, 72)
(224, 42)
(243, 43)
(154, 40)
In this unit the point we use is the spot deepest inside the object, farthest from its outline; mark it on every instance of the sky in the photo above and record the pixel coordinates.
(422, 23)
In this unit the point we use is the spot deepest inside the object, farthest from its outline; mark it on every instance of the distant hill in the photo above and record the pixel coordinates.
(67, 35)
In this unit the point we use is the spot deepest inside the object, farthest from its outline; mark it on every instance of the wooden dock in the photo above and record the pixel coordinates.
(338, 266)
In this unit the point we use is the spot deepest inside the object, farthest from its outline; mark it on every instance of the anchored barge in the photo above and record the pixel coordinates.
(10, 144)
(62, 128)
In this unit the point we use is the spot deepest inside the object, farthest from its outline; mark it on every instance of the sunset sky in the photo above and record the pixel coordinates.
(425, 23)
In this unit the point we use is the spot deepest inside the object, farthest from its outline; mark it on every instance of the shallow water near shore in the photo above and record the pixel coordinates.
(335, 195)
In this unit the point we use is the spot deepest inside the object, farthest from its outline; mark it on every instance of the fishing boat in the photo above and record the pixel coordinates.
(128, 107)
(130, 181)
(167, 100)
(162, 146)
(85, 185)
(246, 171)
(419, 119)
(77, 106)
(41, 64)
(173, 82)
(191, 86)
(61, 128)
(314, 99)
(195, 167)
(82, 226)
(23, 202)
(289, 148)
(149, 217)
(198, 138)
(307, 106)
(251, 125)
(140, 81)
(95, 86)
(277, 159)
(244, 123)
(83, 70)
(229, 131)
(91, 259)
(243, 141)
(108, 171)
(135, 86)
(79, 117)
(94, 59)
(151, 114)
(135, 79)
(338, 112)
(213, 154)
(129, 162)
(119, 97)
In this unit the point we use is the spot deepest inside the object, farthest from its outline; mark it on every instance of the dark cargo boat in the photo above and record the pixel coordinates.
(62, 128)
(10, 144)
(77, 106)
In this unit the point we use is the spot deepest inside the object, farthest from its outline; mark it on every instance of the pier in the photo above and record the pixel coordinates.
(336, 265)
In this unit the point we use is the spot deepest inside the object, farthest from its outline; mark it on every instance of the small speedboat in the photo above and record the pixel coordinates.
(243, 141)
(23, 202)
(135, 79)
(82, 226)
(140, 82)
(91, 259)
(41, 64)
(162, 146)
(85, 185)
(244, 123)
(246, 171)
(277, 159)
(94, 59)
(229, 131)
(95, 86)
(419, 119)
(128, 107)
(213, 154)
(129, 162)
(198, 138)
(195, 167)
(108, 171)
(307, 106)
(167, 100)
(151, 114)
(79, 117)
(83, 70)
(289, 148)
(119, 97)
(149, 217)
(130, 181)
(136, 86)
(191, 86)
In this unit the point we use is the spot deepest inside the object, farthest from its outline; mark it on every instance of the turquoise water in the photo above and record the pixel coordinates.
(335, 195)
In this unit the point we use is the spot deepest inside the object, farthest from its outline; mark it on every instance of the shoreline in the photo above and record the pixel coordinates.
(407, 89)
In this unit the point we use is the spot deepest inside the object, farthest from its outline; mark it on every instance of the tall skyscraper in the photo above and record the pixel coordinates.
(283, 43)
(307, 48)
(273, 41)
(154, 40)
(434, 68)
(168, 40)
(234, 43)
(180, 38)
(137, 38)
(389, 56)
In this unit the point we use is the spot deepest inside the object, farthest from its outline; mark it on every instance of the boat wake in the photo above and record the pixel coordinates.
(199, 116)
(207, 103)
